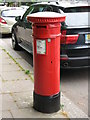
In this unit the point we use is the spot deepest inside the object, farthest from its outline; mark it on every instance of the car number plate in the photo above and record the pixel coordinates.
(87, 38)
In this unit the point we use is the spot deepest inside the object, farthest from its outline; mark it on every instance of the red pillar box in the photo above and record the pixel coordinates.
(46, 52)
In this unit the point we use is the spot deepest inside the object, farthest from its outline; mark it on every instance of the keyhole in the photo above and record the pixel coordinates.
(51, 62)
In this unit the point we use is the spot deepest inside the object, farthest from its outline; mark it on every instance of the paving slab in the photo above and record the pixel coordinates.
(0, 91)
(0, 86)
(20, 103)
(25, 65)
(8, 48)
(32, 76)
(0, 48)
(9, 67)
(24, 99)
(0, 53)
(6, 61)
(14, 54)
(6, 114)
(0, 83)
(0, 69)
(0, 102)
(8, 102)
(71, 109)
(4, 55)
(31, 113)
(14, 75)
(0, 114)
(17, 86)
(0, 61)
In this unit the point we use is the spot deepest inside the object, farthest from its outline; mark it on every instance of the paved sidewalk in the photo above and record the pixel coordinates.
(16, 90)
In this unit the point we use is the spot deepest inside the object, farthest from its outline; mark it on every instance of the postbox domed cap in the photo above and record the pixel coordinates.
(45, 17)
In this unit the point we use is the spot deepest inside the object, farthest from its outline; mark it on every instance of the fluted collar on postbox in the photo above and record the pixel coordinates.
(46, 17)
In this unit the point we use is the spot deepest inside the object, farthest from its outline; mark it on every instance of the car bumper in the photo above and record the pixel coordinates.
(5, 29)
(75, 62)
(75, 56)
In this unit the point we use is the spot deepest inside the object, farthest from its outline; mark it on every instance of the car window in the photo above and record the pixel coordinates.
(77, 9)
(12, 13)
(29, 11)
(40, 8)
(77, 16)
(33, 9)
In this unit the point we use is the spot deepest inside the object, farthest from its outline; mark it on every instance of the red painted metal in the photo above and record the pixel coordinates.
(47, 66)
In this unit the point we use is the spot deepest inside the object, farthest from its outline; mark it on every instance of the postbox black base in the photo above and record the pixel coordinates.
(46, 104)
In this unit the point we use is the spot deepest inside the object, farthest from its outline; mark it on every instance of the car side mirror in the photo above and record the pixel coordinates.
(18, 18)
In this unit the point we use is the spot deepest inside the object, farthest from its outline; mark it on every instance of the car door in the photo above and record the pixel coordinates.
(28, 29)
(25, 31)
(21, 31)
(28, 40)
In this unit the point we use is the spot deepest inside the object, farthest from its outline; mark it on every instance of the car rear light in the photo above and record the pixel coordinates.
(2, 21)
(63, 57)
(68, 39)
(64, 32)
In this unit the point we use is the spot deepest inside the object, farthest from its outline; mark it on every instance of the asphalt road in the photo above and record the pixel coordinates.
(74, 83)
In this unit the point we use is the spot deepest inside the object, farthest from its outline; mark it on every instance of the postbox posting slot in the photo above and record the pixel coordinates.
(41, 26)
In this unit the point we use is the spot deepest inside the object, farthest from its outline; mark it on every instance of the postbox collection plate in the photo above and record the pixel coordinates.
(41, 46)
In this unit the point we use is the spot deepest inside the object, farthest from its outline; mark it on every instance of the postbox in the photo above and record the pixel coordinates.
(46, 58)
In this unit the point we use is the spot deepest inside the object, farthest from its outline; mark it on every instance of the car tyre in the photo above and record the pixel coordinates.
(15, 45)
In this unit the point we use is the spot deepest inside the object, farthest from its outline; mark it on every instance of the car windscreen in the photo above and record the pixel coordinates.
(12, 13)
(45, 7)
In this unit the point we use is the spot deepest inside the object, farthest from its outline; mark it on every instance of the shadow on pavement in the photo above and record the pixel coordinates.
(26, 56)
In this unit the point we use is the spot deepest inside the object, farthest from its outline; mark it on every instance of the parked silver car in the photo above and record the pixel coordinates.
(7, 18)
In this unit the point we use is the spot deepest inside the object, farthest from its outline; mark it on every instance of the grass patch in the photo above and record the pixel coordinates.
(27, 72)
(62, 107)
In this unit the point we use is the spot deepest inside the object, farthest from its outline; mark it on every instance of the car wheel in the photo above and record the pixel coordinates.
(15, 45)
